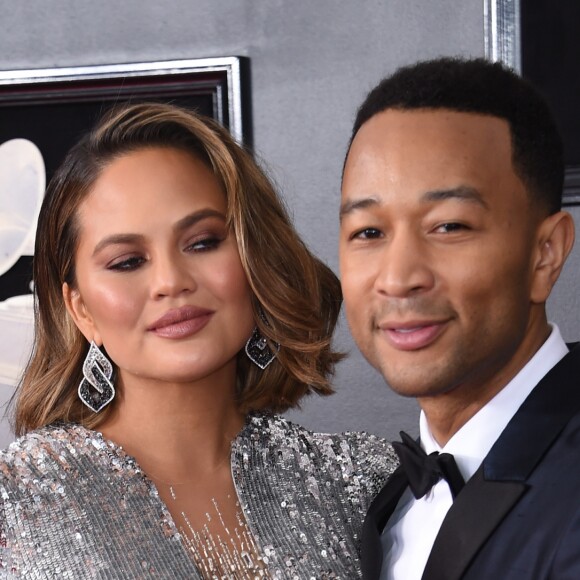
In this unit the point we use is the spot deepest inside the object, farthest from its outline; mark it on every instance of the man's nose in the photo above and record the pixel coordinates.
(403, 268)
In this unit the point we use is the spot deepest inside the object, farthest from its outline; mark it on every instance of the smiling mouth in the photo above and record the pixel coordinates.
(181, 322)
(412, 336)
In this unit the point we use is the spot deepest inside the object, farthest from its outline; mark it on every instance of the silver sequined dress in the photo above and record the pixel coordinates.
(74, 505)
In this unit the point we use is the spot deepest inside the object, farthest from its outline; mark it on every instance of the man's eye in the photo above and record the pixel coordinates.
(450, 227)
(367, 234)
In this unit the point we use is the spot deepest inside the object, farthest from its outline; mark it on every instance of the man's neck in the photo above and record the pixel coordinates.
(448, 412)
(446, 416)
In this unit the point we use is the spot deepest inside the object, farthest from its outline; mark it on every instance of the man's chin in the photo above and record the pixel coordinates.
(416, 385)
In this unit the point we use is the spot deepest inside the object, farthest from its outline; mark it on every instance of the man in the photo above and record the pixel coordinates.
(451, 241)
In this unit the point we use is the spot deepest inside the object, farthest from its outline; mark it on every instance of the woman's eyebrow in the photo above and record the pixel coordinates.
(182, 224)
(193, 218)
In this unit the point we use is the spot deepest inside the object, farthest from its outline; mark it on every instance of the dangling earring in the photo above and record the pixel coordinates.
(258, 351)
(96, 389)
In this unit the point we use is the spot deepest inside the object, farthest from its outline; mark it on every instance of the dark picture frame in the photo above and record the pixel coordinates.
(54, 107)
(540, 39)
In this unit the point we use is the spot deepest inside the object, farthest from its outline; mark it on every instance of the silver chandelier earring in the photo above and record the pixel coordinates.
(258, 351)
(96, 389)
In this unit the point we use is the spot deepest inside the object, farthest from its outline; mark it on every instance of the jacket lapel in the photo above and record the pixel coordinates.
(537, 423)
(477, 511)
(500, 482)
(379, 512)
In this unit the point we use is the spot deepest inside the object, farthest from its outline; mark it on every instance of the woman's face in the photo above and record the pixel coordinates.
(159, 280)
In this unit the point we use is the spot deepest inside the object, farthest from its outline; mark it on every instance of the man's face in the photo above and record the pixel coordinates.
(437, 246)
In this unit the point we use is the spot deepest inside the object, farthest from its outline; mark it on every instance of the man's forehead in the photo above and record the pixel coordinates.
(427, 156)
(427, 143)
(394, 127)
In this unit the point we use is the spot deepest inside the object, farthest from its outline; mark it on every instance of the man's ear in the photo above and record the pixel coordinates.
(79, 313)
(555, 240)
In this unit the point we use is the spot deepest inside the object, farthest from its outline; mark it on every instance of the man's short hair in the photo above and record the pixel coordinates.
(482, 87)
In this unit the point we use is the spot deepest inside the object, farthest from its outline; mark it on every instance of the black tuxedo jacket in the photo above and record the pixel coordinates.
(518, 517)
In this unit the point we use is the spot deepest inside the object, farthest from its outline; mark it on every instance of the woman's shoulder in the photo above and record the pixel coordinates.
(34, 441)
(35, 452)
(279, 429)
(44, 438)
(47, 455)
(355, 451)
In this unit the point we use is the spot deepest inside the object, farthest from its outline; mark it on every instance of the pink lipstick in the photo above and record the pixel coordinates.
(181, 322)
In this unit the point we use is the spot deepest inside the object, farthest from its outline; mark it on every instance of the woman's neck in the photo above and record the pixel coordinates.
(176, 431)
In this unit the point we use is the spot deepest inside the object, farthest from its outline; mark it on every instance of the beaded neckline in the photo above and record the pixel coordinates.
(225, 555)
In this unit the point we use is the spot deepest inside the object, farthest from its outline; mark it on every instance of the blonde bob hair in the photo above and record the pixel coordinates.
(296, 298)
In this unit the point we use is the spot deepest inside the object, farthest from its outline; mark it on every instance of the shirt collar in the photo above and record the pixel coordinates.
(473, 441)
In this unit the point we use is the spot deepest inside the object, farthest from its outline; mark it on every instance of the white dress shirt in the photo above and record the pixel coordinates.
(411, 531)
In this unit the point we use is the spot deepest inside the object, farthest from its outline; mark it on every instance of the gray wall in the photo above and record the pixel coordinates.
(312, 63)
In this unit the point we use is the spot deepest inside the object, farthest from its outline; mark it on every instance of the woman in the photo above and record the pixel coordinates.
(176, 312)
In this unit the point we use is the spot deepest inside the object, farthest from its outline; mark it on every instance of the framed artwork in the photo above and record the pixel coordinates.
(43, 112)
(53, 108)
(540, 39)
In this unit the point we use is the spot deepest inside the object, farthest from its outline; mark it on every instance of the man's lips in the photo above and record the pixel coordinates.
(181, 322)
(412, 335)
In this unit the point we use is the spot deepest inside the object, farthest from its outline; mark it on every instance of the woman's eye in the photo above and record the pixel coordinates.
(127, 264)
(367, 234)
(205, 244)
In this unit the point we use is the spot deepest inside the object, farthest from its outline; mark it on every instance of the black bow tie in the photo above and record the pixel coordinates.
(424, 471)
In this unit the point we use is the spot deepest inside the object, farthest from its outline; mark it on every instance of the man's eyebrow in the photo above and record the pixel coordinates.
(462, 193)
(180, 226)
(350, 206)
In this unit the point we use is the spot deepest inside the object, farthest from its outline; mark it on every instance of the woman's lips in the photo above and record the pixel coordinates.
(181, 322)
(412, 336)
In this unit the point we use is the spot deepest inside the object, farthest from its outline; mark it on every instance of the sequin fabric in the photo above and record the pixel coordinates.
(74, 505)
(216, 554)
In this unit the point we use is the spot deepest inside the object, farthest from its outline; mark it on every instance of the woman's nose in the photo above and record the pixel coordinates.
(172, 275)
